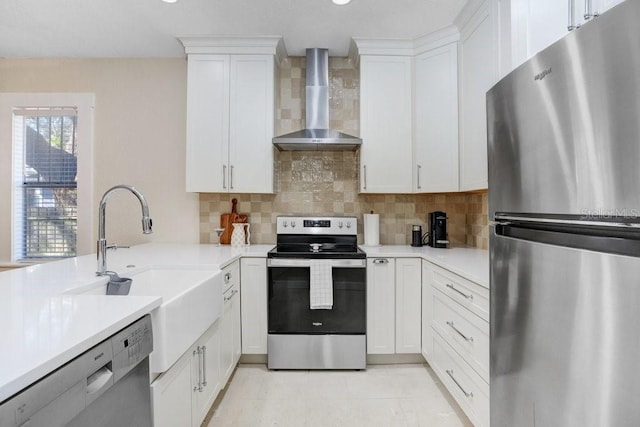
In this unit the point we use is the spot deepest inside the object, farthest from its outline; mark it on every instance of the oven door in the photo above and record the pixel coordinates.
(289, 311)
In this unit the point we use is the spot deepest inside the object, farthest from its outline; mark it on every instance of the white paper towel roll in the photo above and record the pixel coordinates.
(371, 229)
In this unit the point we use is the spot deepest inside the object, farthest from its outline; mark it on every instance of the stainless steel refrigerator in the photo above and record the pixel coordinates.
(564, 192)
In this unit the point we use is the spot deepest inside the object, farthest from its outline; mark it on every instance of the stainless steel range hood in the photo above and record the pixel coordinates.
(317, 136)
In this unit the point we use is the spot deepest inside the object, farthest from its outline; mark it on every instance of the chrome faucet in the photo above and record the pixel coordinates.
(102, 241)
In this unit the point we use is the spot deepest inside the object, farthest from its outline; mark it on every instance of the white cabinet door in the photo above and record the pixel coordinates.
(536, 24)
(479, 72)
(408, 305)
(236, 348)
(385, 124)
(226, 336)
(381, 308)
(230, 123)
(206, 373)
(436, 120)
(171, 395)
(252, 87)
(601, 6)
(427, 311)
(207, 122)
(253, 305)
(230, 332)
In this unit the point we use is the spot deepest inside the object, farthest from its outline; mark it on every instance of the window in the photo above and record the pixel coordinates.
(49, 175)
(45, 182)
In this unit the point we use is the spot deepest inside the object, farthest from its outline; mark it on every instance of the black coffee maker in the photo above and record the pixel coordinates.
(437, 223)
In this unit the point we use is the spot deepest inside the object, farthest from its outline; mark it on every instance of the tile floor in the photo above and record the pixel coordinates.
(383, 395)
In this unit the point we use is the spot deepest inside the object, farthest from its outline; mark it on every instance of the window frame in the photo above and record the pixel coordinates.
(84, 102)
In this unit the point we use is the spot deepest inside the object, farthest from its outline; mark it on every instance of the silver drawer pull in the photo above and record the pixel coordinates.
(204, 365)
(230, 297)
(466, 338)
(450, 373)
(380, 261)
(469, 297)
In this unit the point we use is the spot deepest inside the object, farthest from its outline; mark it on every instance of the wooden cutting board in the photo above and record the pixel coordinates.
(227, 220)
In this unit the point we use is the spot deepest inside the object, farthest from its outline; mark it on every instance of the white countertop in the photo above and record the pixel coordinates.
(470, 263)
(45, 324)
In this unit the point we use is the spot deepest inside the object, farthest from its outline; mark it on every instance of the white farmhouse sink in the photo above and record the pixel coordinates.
(191, 302)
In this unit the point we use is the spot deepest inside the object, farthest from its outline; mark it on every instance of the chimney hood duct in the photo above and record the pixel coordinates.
(317, 135)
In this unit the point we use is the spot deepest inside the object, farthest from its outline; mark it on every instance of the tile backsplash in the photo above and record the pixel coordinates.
(326, 183)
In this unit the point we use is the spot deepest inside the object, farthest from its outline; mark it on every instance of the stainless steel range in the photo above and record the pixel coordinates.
(317, 295)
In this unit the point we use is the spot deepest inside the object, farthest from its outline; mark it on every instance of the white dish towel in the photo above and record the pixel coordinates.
(321, 285)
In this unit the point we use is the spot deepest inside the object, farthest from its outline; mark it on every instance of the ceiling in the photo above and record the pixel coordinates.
(148, 28)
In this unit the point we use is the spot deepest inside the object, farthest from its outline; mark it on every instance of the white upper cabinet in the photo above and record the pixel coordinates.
(536, 24)
(231, 114)
(252, 103)
(436, 120)
(478, 62)
(207, 122)
(385, 124)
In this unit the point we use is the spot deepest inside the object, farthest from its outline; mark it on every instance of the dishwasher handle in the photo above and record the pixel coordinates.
(99, 382)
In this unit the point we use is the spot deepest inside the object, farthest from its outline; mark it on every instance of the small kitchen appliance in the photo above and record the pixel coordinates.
(316, 258)
(416, 236)
(437, 230)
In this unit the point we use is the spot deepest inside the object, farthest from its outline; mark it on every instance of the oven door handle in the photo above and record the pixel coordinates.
(297, 262)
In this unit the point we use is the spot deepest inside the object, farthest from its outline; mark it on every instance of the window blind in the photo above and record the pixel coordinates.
(45, 169)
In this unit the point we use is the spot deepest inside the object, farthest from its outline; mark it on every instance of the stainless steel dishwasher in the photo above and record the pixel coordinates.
(107, 385)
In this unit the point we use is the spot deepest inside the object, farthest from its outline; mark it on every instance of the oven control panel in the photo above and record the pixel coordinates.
(341, 225)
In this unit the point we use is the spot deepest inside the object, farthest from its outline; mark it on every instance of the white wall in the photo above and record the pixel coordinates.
(139, 137)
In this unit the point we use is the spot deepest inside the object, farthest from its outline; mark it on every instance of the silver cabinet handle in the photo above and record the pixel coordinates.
(467, 296)
(419, 167)
(571, 25)
(224, 177)
(381, 261)
(466, 338)
(200, 369)
(231, 177)
(450, 373)
(230, 297)
(197, 387)
(365, 176)
(204, 365)
(588, 12)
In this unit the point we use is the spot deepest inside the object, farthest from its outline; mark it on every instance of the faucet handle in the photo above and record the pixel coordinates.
(115, 246)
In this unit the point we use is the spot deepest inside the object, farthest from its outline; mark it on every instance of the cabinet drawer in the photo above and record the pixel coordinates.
(231, 275)
(465, 385)
(464, 331)
(470, 295)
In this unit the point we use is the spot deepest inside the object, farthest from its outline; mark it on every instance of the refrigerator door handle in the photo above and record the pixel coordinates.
(533, 220)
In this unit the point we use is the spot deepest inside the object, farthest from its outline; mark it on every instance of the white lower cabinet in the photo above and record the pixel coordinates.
(183, 395)
(205, 367)
(427, 311)
(456, 313)
(171, 407)
(230, 332)
(393, 305)
(381, 310)
(465, 385)
(253, 297)
(408, 305)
